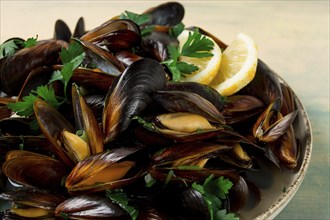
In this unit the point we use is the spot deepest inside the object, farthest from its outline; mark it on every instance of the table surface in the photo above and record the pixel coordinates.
(292, 38)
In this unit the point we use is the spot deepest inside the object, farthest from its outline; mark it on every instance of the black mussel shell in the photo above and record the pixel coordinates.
(182, 101)
(131, 95)
(90, 207)
(16, 68)
(205, 91)
(170, 13)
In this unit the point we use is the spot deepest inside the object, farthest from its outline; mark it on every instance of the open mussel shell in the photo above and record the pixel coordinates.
(52, 123)
(182, 101)
(90, 207)
(85, 118)
(170, 13)
(16, 68)
(204, 91)
(238, 108)
(189, 154)
(101, 58)
(271, 124)
(116, 35)
(131, 95)
(31, 203)
(106, 170)
(62, 30)
(26, 168)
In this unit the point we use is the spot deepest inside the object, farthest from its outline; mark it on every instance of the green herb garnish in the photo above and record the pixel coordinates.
(197, 46)
(71, 58)
(139, 19)
(119, 197)
(150, 181)
(214, 191)
(144, 123)
(176, 30)
(10, 47)
(30, 42)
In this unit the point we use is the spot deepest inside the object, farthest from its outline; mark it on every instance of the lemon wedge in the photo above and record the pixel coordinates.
(208, 67)
(238, 66)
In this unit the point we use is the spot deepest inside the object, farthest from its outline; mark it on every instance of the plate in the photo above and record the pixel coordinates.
(287, 183)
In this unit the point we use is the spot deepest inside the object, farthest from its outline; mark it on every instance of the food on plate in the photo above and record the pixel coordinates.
(141, 118)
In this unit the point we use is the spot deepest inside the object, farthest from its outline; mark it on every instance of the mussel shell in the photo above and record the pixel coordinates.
(28, 170)
(155, 45)
(85, 120)
(16, 126)
(127, 57)
(52, 123)
(97, 165)
(181, 101)
(79, 30)
(204, 91)
(16, 68)
(198, 150)
(170, 13)
(30, 142)
(62, 31)
(90, 207)
(193, 205)
(116, 35)
(239, 108)
(37, 77)
(265, 85)
(101, 58)
(33, 197)
(131, 95)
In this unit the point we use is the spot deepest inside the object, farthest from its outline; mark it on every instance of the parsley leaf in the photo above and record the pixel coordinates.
(150, 181)
(176, 30)
(48, 94)
(119, 197)
(25, 107)
(74, 54)
(137, 18)
(8, 48)
(214, 191)
(197, 46)
(30, 42)
(186, 68)
(71, 58)
(144, 123)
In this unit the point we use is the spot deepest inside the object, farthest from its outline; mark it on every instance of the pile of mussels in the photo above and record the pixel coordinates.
(133, 117)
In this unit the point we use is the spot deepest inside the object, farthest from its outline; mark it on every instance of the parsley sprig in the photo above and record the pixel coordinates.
(119, 197)
(197, 45)
(10, 47)
(71, 59)
(139, 19)
(214, 192)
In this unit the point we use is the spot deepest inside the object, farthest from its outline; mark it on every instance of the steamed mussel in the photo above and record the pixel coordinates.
(107, 133)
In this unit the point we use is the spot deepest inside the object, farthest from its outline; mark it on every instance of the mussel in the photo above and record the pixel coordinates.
(31, 203)
(131, 95)
(90, 207)
(16, 68)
